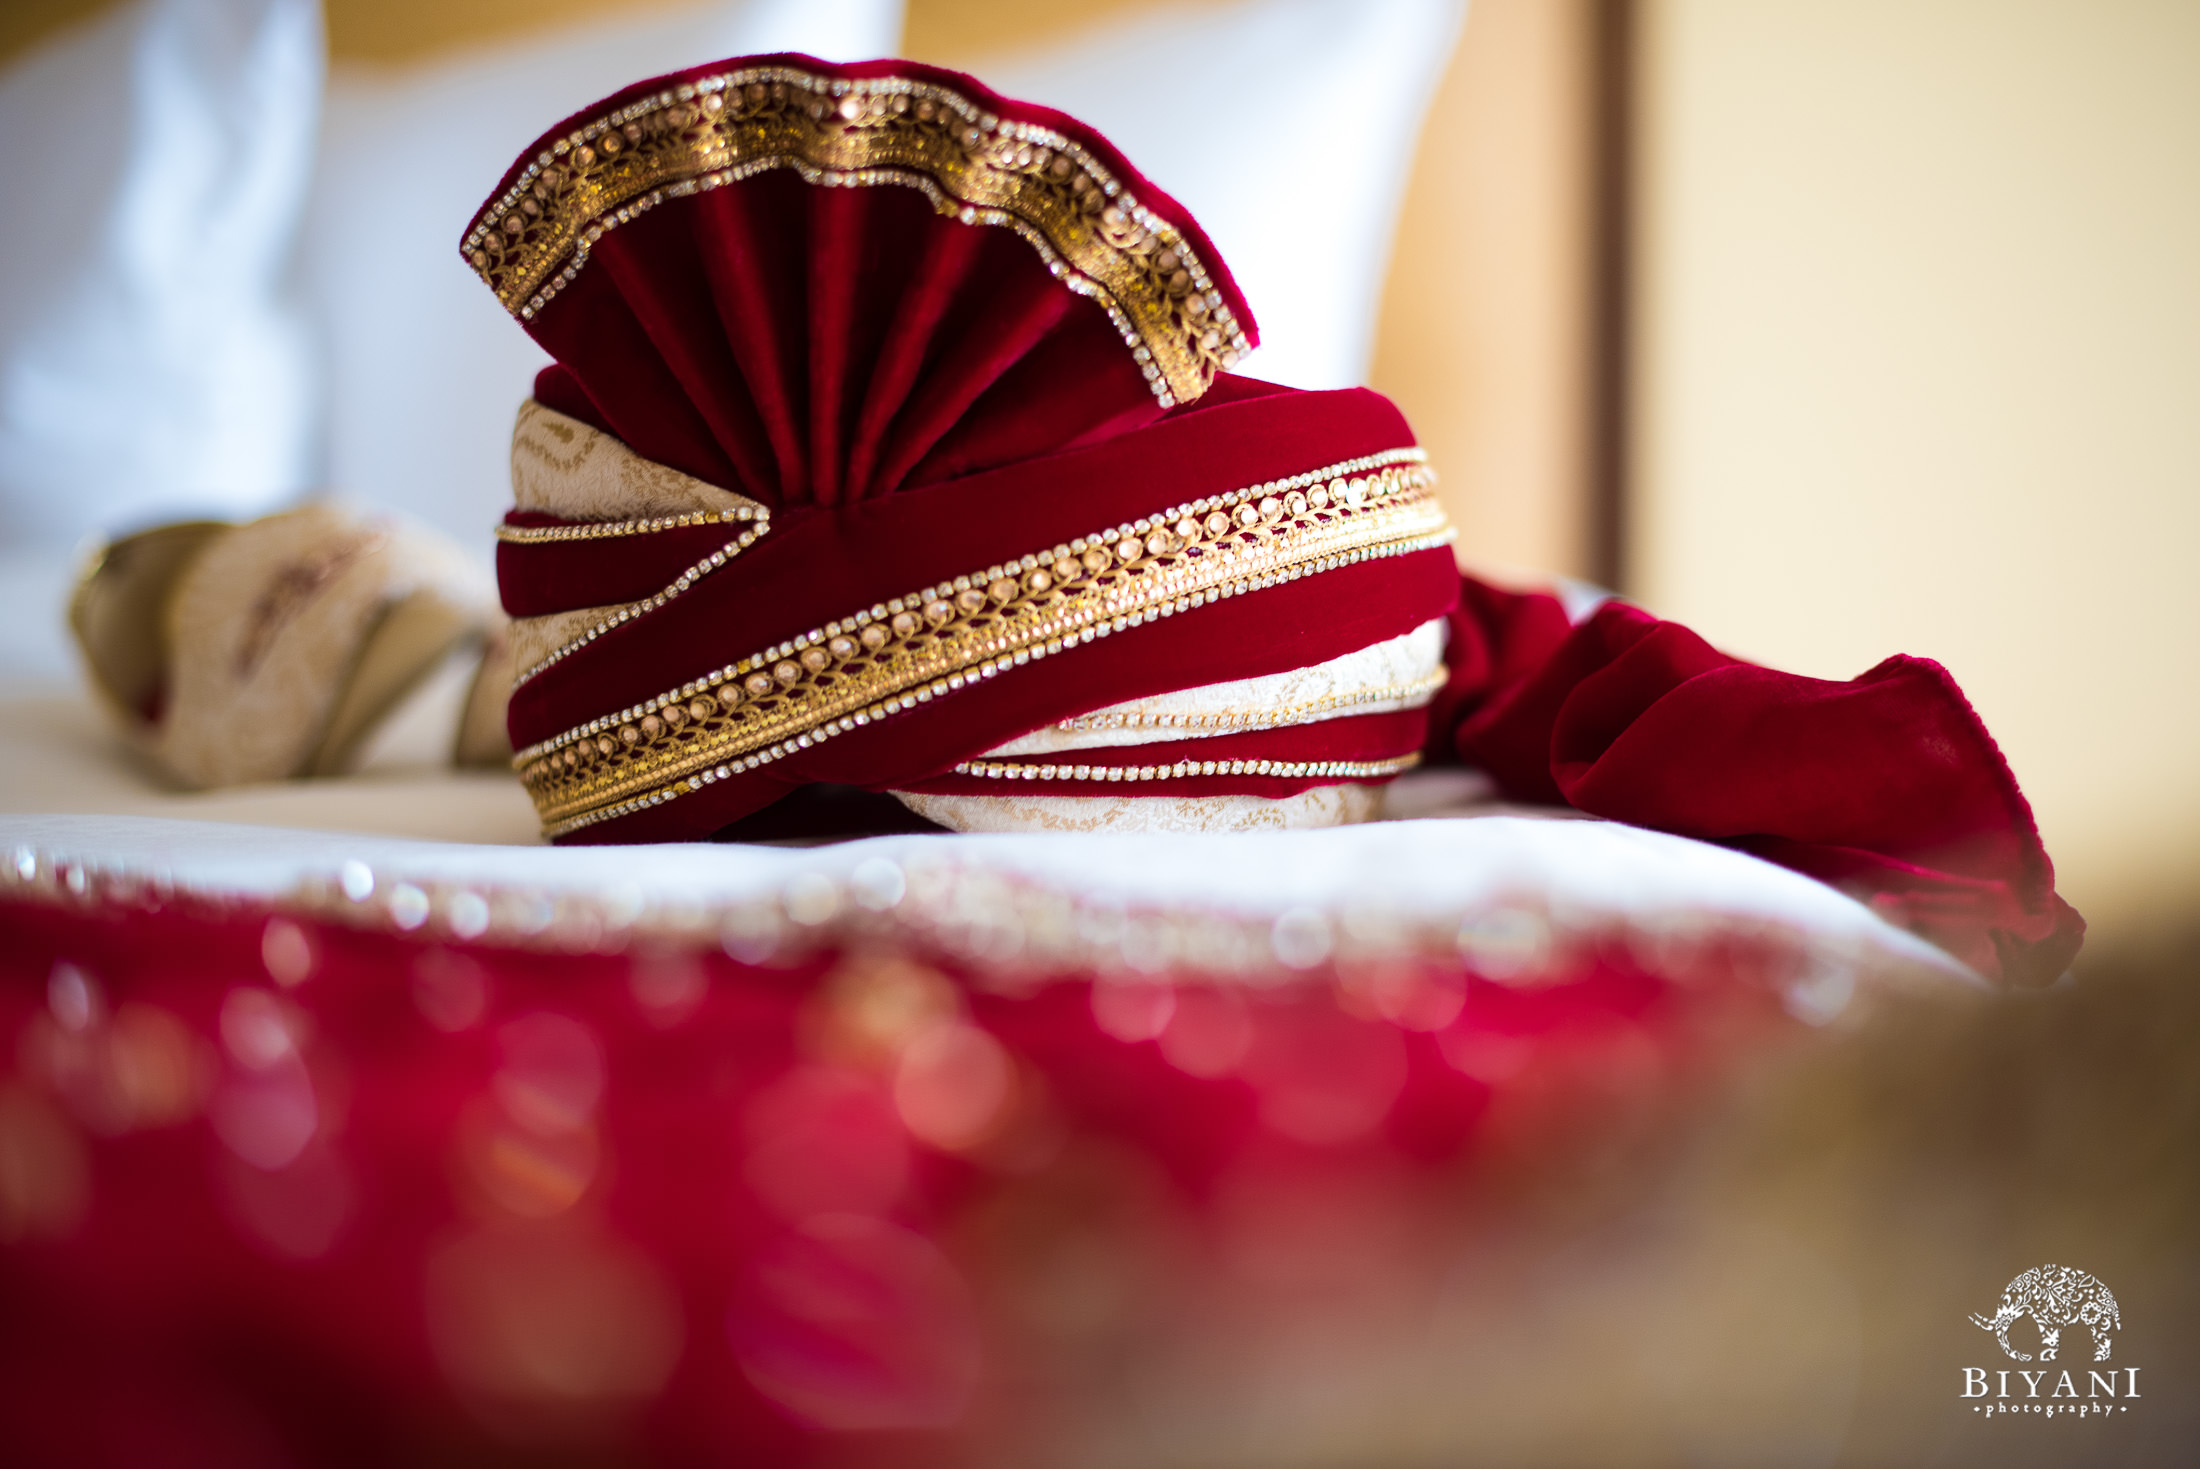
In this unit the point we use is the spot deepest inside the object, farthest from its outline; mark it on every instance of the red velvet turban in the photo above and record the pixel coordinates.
(890, 425)
(891, 443)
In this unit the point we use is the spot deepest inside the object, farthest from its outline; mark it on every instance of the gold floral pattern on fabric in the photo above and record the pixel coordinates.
(1399, 673)
(578, 473)
(913, 649)
(1094, 236)
(599, 488)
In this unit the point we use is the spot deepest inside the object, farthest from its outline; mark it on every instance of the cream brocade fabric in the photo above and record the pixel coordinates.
(1398, 674)
(288, 640)
(563, 467)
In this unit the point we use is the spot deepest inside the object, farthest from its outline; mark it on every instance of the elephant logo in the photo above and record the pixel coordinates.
(2054, 1296)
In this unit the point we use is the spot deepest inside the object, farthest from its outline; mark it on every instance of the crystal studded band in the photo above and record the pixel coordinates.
(596, 530)
(913, 649)
(759, 526)
(1185, 769)
(1406, 695)
(535, 238)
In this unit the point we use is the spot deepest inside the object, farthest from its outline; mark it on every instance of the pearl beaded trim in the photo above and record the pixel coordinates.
(1409, 695)
(899, 654)
(632, 610)
(1407, 477)
(535, 238)
(1185, 769)
(591, 530)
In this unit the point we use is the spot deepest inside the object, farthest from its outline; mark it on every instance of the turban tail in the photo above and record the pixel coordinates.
(891, 443)
(1887, 786)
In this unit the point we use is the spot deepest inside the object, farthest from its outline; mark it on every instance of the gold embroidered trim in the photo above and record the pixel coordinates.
(1182, 769)
(688, 578)
(908, 651)
(982, 169)
(1409, 695)
(918, 900)
(591, 530)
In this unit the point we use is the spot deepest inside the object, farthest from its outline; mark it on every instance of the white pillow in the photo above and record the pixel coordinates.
(1288, 128)
(150, 366)
(424, 368)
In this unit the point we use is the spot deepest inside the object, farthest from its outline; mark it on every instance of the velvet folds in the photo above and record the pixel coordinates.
(917, 390)
(1282, 628)
(806, 336)
(818, 565)
(909, 349)
(1887, 786)
(931, 329)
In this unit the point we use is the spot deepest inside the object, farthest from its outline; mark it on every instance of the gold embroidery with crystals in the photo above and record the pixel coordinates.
(983, 169)
(591, 530)
(913, 649)
(1185, 769)
(761, 525)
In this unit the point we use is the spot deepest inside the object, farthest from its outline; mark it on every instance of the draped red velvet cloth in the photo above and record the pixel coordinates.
(1887, 786)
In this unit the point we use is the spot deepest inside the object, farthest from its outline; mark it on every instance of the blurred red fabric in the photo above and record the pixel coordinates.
(411, 1200)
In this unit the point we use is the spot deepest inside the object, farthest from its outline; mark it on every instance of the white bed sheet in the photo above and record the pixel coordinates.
(59, 755)
(1588, 872)
(71, 791)
(71, 798)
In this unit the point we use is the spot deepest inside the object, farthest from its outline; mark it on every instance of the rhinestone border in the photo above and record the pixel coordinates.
(593, 530)
(1412, 694)
(913, 649)
(1185, 769)
(760, 527)
(533, 240)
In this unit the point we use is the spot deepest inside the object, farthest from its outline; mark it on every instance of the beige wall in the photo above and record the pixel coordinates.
(1919, 371)
(1485, 334)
